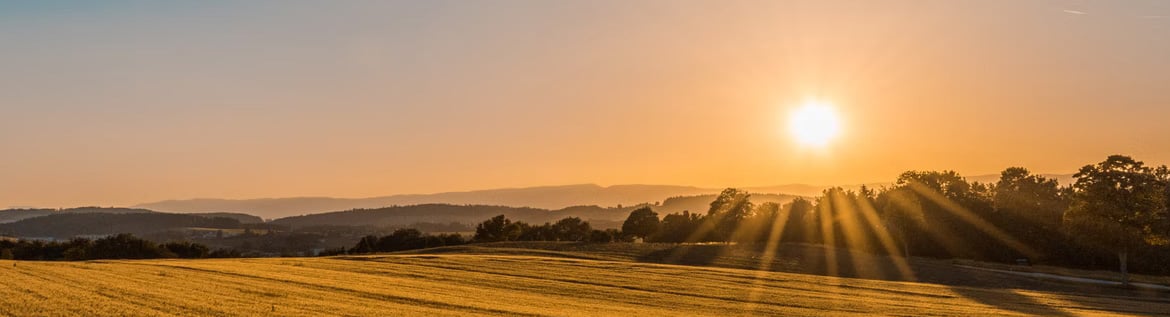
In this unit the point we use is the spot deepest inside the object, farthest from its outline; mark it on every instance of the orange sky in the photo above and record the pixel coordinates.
(128, 102)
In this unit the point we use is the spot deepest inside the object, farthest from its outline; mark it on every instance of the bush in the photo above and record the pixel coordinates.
(599, 236)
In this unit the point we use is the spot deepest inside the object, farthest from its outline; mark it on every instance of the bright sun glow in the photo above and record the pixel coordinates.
(814, 124)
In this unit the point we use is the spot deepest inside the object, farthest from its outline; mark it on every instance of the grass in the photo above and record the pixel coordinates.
(801, 258)
(1055, 270)
(514, 281)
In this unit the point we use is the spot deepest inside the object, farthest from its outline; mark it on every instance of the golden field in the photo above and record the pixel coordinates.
(487, 284)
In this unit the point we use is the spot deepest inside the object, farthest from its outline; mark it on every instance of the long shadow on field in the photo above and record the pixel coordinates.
(793, 259)
(998, 289)
(700, 255)
(840, 262)
(1010, 300)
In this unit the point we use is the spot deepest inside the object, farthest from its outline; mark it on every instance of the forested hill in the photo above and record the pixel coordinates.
(14, 215)
(242, 218)
(600, 217)
(543, 197)
(445, 213)
(67, 225)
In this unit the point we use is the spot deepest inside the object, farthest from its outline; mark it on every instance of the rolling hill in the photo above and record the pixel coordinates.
(543, 197)
(14, 215)
(67, 225)
(600, 217)
(567, 283)
(546, 197)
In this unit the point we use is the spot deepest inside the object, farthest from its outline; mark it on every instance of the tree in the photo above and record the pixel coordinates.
(678, 227)
(642, 222)
(528, 232)
(600, 236)
(1119, 204)
(401, 239)
(368, 244)
(1033, 198)
(953, 219)
(727, 213)
(498, 228)
(187, 250)
(126, 246)
(769, 220)
(571, 229)
(801, 225)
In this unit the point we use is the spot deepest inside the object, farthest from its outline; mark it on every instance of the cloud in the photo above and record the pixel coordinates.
(1075, 12)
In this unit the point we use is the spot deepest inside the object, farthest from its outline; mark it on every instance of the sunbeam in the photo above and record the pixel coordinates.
(870, 216)
(971, 218)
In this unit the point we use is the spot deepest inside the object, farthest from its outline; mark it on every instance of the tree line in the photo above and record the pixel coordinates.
(500, 228)
(1117, 207)
(495, 229)
(1115, 210)
(121, 246)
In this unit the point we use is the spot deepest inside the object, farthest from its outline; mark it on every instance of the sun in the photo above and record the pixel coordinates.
(814, 124)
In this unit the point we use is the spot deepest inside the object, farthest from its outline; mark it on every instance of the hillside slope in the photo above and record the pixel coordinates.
(444, 213)
(544, 197)
(600, 217)
(68, 225)
(14, 215)
(797, 258)
(483, 285)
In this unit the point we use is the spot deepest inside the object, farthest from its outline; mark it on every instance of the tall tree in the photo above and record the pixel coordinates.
(954, 218)
(1119, 203)
(902, 215)
(498, 228)
(571, 229)
(1032, 197)
(727, 213)
(802, 224)
(642, 223)
(678, 227)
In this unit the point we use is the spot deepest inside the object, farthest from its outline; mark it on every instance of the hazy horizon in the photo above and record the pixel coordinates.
(127, 102)
(799, 189)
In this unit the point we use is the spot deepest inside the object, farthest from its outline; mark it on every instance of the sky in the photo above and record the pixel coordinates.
(116, 103)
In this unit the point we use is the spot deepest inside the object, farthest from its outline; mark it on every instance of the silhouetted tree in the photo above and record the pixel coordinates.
(953, 218)
(1033, 198)
(368, 244)
(452, 239)
(600, 236)
(1119, 203)
(679, 227)
(769, 217)
(727, 213)
(187, 250)
(902, 215)
(571, 229)
(498, 228)
(401, 239)
(642, 223)
(544, 232)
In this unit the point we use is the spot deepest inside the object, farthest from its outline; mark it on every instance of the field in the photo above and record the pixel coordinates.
(504, 280)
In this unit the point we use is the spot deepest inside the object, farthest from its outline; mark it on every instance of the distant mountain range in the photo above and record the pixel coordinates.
(543, 197)
(92, 221)
(15, 215)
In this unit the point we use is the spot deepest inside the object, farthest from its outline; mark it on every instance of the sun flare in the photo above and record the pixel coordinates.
(814, 124)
